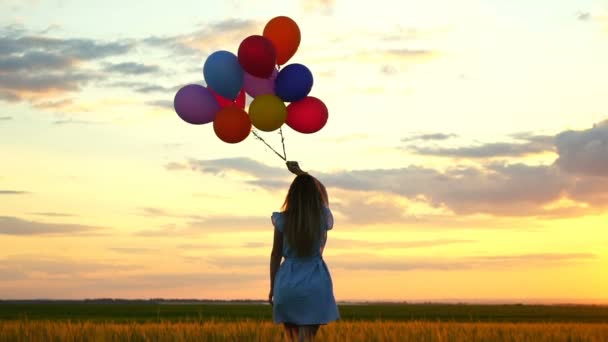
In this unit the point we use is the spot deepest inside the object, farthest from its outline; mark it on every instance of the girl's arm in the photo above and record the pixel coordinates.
(275, 256)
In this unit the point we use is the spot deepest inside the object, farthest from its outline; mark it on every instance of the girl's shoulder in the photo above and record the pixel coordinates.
(278, 220)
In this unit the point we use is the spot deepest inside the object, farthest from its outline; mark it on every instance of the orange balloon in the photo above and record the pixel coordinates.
(232, 124)
(284, 34)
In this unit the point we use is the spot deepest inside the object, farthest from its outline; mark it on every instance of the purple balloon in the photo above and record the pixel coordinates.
(195, 104)
(255, 86)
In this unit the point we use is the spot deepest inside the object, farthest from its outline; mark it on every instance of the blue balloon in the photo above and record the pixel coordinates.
(293, 83)
(224, 74)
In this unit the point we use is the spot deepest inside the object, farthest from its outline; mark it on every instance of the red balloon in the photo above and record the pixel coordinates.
(224, 102)
(232, 124)
(307, 116)
(257, 56)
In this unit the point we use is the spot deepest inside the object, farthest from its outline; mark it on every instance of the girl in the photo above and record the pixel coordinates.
(301, 289)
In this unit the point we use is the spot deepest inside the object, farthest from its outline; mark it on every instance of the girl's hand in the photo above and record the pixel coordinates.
(270, 295)
(294, 168)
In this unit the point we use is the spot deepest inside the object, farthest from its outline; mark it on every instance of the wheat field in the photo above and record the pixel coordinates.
(247, 330)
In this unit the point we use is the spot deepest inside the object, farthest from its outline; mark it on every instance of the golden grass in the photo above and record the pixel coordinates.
(420, 331)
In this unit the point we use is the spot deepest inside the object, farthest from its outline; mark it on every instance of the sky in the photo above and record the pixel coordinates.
(465, 155)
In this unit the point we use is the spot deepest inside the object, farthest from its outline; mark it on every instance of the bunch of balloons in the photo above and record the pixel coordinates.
(255, 71)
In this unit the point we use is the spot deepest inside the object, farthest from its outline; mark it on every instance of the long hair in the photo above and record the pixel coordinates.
(304, 213)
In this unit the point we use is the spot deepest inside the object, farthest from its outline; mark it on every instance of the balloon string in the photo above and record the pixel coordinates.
(265, 143)
(283, 142)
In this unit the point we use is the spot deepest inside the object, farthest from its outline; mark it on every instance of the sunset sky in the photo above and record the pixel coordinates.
(465, 156)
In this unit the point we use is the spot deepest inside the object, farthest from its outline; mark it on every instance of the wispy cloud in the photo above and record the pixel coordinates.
(486, 150)
(16, 226)
(57, 104)
(230, 223)
(374, 262)
(131, 250)
(131, 68)
(164, 104)
(35, 67)
(338, 243)
(13, 192)
(239, 165)
(429, 136)
(526, 144)
(60, 266)
(209, 38)
(361, 208)
(583, 16)
(52, 214)
(319, 6)
(72, 121)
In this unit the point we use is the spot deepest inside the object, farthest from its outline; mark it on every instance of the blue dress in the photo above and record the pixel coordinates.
(303, 289)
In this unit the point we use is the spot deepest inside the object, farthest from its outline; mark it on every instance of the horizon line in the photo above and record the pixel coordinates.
(487, 301)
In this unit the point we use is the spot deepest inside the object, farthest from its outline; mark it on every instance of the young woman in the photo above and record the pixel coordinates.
(301, 289)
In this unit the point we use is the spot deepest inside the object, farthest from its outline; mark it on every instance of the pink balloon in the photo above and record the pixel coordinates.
(307, 116)
(255, 86)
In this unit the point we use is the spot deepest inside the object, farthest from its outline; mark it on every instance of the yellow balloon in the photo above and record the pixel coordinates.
(267, 112)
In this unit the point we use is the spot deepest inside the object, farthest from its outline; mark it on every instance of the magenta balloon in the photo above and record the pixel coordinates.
(195, 104)
(255, 86)
(308, 115)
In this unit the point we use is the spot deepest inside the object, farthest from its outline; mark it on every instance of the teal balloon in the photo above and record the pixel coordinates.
(223, 74)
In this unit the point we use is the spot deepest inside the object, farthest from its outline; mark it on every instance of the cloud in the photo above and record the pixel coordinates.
(584, 152)
(164, 104)
(337, 243)
(59, 266)
(59, 104)
(131, 68)
(211, 37)
(533, 144)
(196, 223)
(71, 121)
(34, 61)
(365, 209)
(131, 250)
(16, 226)
(239, 165)
(499, 189)
(214, 246)
(147, 89)
(323, 6)
(374, 262)
(144, 87)
(34, 66)
(52, 214)
(389, 70)
(575, 184)
(377, 263)
(263, 176)
(229, 223)
(583, 16)
(155, 212)
(429, 136)
(485, 151)
(18, 86)
(174, 166)
(13, 192)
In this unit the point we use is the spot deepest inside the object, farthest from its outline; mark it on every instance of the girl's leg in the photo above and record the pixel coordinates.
(291, 330)
(307, 333)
